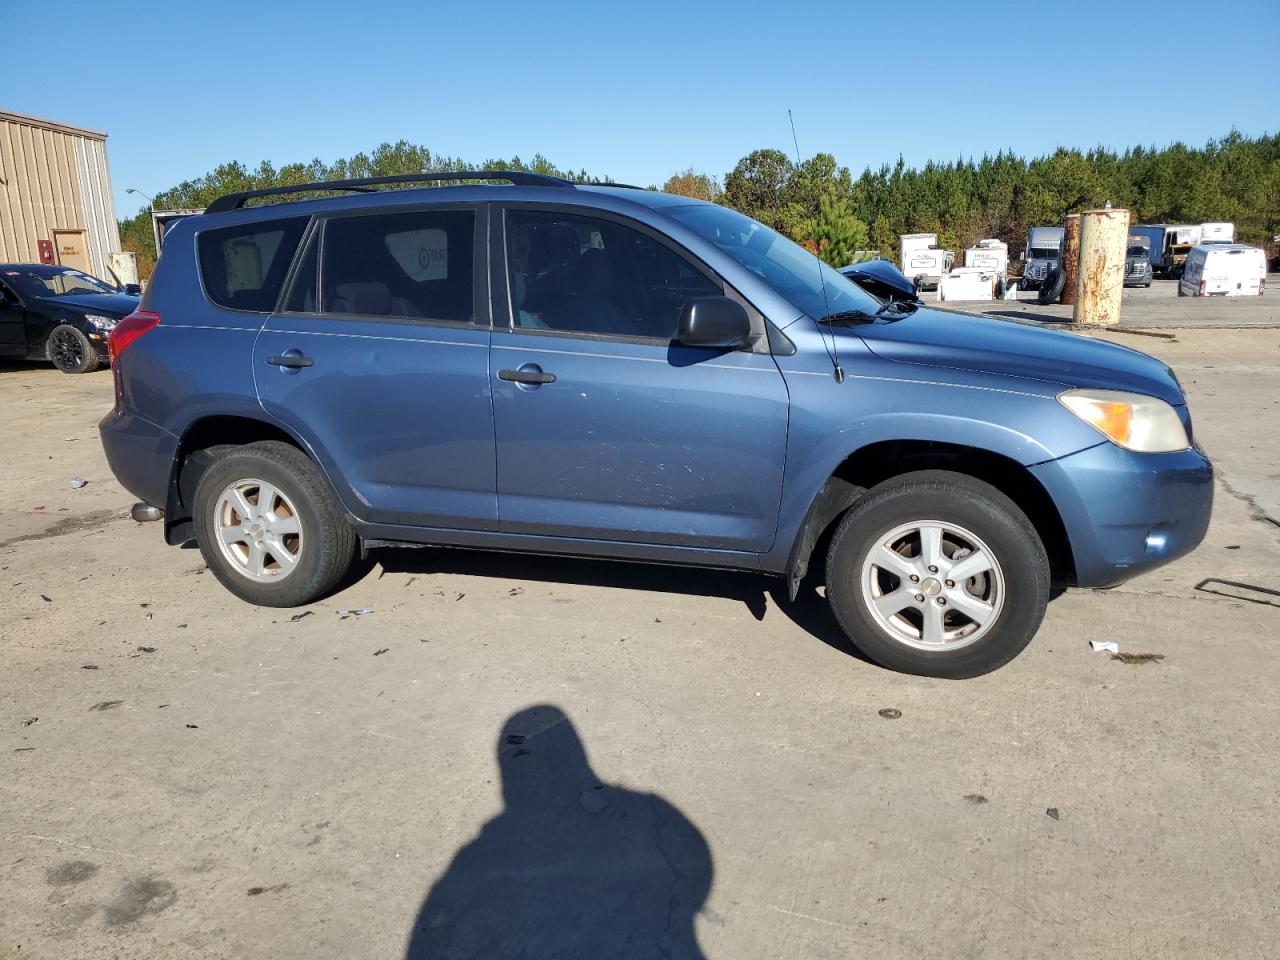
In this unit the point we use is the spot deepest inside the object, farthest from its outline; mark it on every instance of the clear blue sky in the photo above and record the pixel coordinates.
(634, 91)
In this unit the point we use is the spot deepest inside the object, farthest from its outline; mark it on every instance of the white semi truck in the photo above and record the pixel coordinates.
(1043, 252)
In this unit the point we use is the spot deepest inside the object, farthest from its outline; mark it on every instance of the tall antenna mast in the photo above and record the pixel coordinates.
(833, 354)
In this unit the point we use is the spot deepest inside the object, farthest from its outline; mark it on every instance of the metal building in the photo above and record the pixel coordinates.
(55, 195)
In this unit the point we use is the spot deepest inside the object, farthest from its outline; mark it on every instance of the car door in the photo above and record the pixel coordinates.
(378, 358)
(606, 428)
(13, 334)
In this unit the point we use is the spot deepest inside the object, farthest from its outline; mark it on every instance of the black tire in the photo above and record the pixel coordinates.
(1051, 288)
(954, 499)
(1180, 293)
(326, 547)
(70, 350)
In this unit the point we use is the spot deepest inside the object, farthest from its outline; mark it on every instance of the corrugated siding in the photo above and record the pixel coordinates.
(51, 179)
(99, 208)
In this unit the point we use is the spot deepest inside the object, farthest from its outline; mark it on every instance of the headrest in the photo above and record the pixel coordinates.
(594, 272)
(364, 297)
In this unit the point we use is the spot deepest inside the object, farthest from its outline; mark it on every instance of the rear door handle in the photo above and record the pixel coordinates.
(294, 361)
(526, 376)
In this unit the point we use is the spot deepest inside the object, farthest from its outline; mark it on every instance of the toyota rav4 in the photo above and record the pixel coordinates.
(603, 371)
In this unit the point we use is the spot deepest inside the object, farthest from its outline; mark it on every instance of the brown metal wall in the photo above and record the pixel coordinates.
(45, 169)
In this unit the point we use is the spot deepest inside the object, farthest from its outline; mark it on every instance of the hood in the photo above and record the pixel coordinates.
(1017, 349)
(882, 279)
(107, 304)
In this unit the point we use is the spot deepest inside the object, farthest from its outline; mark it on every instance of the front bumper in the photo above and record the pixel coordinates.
(1126, 513)
(99, 340)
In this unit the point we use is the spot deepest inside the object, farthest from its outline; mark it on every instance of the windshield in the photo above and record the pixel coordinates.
(785, 266)
(56, 283)
(1043, 253)
(1137, 252)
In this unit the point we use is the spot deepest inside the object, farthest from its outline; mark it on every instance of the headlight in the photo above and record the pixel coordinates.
(99, 322)
(1133, 420)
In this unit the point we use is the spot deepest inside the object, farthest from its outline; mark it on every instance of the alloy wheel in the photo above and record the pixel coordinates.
(258, 529)
(933, 585)
(66, 349)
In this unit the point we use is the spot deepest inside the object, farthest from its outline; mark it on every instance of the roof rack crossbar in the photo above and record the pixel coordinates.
(234, 201)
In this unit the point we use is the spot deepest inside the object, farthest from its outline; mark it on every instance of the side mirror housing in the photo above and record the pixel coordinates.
(713, 322)
(133, 289)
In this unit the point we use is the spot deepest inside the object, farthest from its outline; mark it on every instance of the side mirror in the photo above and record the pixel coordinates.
(713, 322)
(133, 289)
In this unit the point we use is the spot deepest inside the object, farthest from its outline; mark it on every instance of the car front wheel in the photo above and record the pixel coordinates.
(268, 526)
(70, 350)
(935, 573)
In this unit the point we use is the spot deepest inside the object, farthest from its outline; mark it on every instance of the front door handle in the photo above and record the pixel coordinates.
(292, 360)
(524, 375)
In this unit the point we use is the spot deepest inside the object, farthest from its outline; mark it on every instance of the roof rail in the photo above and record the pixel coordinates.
(234, 201)
(611, 183)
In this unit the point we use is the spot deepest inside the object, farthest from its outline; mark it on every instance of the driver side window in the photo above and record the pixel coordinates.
(593, 276)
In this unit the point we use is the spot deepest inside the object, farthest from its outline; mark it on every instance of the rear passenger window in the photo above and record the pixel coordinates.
(413, 266)
(243, 267)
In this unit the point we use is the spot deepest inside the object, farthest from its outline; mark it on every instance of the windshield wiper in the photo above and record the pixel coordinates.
(885, 311)
(849, 316)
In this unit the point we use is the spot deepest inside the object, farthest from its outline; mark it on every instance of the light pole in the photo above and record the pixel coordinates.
(151, 202)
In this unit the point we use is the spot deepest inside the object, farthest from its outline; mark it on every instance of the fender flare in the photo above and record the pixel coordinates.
(835, 497)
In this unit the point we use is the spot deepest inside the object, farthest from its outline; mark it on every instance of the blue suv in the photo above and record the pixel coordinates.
(605, 371)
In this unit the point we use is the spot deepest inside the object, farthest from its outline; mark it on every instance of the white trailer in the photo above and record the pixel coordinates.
(990, 254)
(921, 259)
(1217, 233)
(969, 283)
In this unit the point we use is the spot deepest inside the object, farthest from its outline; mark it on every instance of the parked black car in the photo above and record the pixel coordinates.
(59, 314)
(882, 279)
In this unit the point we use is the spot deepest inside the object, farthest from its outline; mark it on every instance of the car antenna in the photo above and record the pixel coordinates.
(833, 353)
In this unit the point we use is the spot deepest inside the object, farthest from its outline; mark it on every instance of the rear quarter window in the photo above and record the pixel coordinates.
(243, 267)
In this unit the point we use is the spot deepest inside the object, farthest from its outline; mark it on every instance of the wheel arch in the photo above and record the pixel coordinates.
(194, 455)
(877, 462)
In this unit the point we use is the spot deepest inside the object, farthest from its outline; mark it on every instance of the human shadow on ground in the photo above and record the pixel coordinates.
(571, 867)
(809, 610)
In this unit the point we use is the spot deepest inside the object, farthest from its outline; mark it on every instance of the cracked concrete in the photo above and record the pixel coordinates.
(250, 752)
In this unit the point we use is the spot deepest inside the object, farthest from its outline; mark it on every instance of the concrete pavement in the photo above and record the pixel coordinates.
(185, 775)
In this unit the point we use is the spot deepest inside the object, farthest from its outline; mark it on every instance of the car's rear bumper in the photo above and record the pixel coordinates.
(1126, 513)
(140, 454)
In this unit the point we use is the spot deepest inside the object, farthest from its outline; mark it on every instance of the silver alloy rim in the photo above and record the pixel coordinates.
(933, 585)
(258, 530)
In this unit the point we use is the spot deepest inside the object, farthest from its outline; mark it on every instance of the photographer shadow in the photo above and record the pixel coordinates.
(570, 868)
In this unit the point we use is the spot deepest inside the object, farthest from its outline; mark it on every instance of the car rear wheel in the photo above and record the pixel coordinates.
(268, 526)
(70, 350)
(935, 573)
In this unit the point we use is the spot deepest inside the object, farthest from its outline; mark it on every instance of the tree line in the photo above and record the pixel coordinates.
(821, 204)
(389, 159)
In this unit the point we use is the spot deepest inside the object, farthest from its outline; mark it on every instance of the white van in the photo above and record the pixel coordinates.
(1223, 270)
